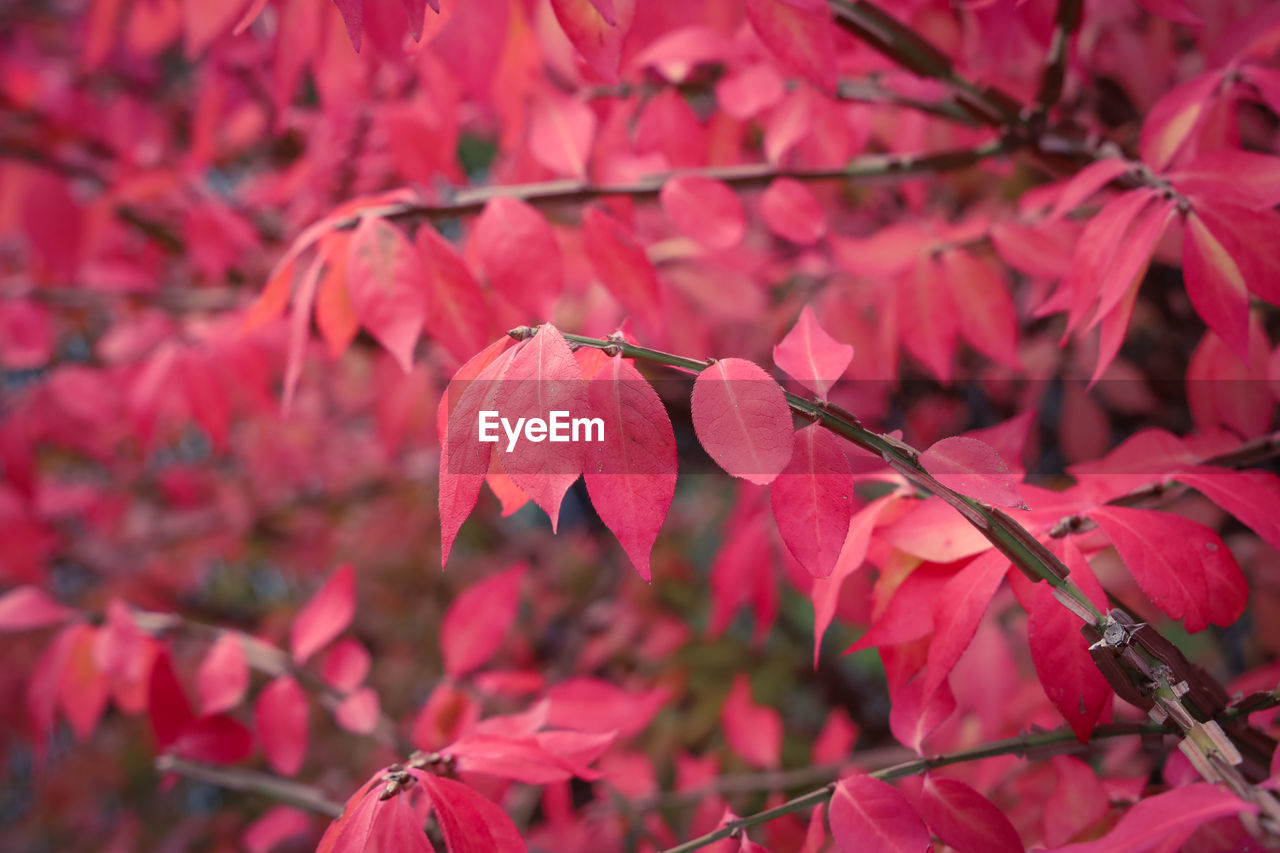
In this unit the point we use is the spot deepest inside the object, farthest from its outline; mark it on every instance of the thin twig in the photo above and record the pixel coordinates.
(253, 782)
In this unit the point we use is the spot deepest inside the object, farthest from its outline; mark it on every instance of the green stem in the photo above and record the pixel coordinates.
(1021, 745)
(1023, 550)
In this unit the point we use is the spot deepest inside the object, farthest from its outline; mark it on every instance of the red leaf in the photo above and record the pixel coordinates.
(592, 705)
(457, 314)
(984, 308)
(1215, 284)
(930, 333)
(812, 500)
(1078, 802)
(1174, 10)
(791, 210)
(965, 819)
(519, 254)
(280, 716)
(804, 39)
(276, 826)
(705, 209)
(167, 705)
(597, 32)
(353, 16)
(217, 739)
(386, 281)
(744, 93)
(936, 533)
(742, 419)
(464, 460)
(753, 732)
(1085, 183)
(561, 132)
(1099, 244)
(964, 601)
(1182, 566)
(544, 378)
(469, 822)
(358, 713)
(870, 816)
(1060, 652)
(853, 552)
(620, 263)
(631, 475)
(27, 607)
(82, 689)
(335, 315)
(478, 619)
(1215, 175)
(812, 357)
(1165, 820)
(325, 616)
(1174, 118)
(1251, 496)
(223, 676)
(913, 715)
(912, 610)
(299, 330)
(345, 665)
(974, 469)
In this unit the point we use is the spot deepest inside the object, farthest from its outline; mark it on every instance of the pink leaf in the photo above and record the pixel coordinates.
(804, 39)
(345, 665)
(1078, 802)
(965, 819)
(1171, 121)
(353, 16)
(223, 676)
(742, 419)
(561, 132)
(519, 254)
(743, 94)
(458, 315)
(812, 500)
(1215, 284)
(620, 263)
(27, 607)
(791, 210)
(1173, 559)
(469, 822)
(974, 469)
(705, 209)
(853, 552)
(325, 616)
(986, 317)
(276, 826)
(280, 716)
(592, 705)
(1085, 183)
(358, 713)
(167, 705)
(964, 601)
(1165, 820)
(810, 356)
(913, 715)
(870, 816)
(752, 731)
(478, 619)
(216, 739)
(1251, 496)
(544, 378)
(385, 280)
(631, 475)
(597, 29)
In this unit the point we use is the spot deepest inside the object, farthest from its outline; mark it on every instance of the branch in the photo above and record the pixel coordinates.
(253, 782)
(1030, 745)
(1055, 69)
(887, 166)
(886, 34)
(1250, 453)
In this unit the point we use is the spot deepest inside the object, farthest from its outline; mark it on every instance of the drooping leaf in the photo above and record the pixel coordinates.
(742, 420)
(631, 474)
(620, 263)
(1165, 820)
(386, 283)
(1182, 566)
(1250, 496)
(544, 378)
(812, 500)
(561, 133)
(984, 307)
(358, 712)
(280, 716)
(326, 615)
(592, 705)
(168, 709)
(1215, 284)
(803, 38)
(1172, 120)
(469, 822)
(1078, 801)
(345, 664)
(914, 715)
(26, 607)
(791, 210)
(965, 819)
(964, 600)
(974, 469)
(811, 356)
(519, 254)
(870, 816)
(477, 621)
(223, 676)
(353, 16)
(214, 739)
(853, 552)
(753, 732)
(457, 314)
(705, 209)
(597, 29)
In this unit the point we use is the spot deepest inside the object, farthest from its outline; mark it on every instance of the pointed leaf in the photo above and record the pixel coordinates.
(705, 209)
(597, 32)
(742, 420)
(519, 254)
(1165, 820)
(561, 133)
(223, 677)
(964, 601)
(457, 314)
(753, 732)
(385, 281)
(791, 210)
(812, 500)
(478, 620)
(631, 475)
(1215, 284)
(812, 357)
(1251, 496)
(326, 615)
(965, 819)
(620, 263)
(27, 607)
(974, 469)
(803, 38)
(280, 717)
(870, 816)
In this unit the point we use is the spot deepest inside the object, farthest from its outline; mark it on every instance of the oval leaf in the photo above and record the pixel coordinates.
(742, 419)
(974, 469)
